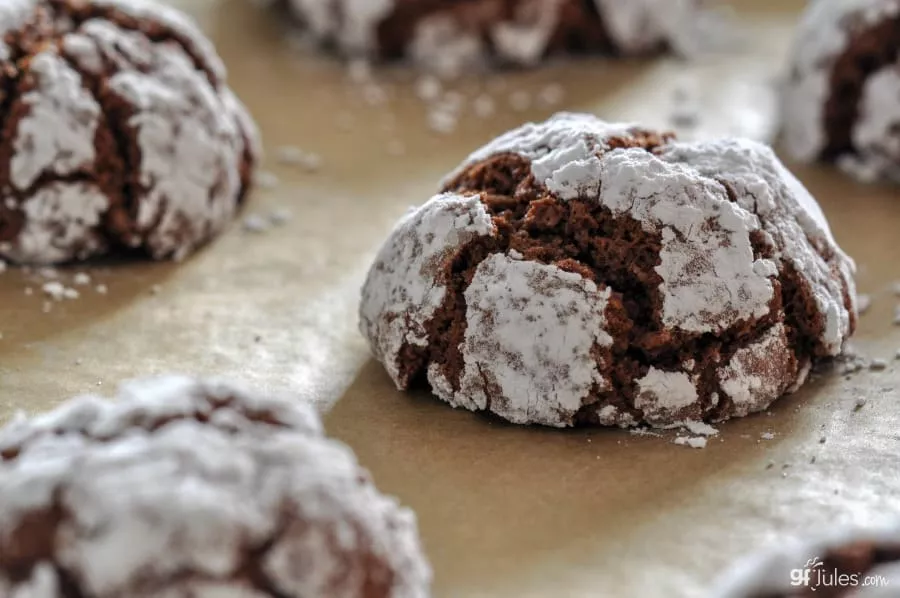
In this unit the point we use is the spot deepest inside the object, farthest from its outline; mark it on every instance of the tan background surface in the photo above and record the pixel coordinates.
(504, 512)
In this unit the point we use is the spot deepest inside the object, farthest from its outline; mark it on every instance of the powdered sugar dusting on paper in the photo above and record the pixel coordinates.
(404, 289)
(530, 338)
(172, 484)
(57, 134)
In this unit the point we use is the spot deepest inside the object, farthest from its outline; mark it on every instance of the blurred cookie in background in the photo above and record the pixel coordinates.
(841, 99)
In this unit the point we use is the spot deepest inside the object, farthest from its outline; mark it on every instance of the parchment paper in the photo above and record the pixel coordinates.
(504, 512)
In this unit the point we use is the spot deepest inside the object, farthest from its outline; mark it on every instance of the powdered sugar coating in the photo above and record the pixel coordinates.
(178, 23)
(758, 374)
(790, 217)
(183, 487)
(665, 397)
(877, 132)
(62, 222)
(710, 279)
(184, 140)
(57, 135)
(700, 258)
(447, 39)
(825, 33)
(404, 288)
(188, 151)
(531, 334)
(640, 25)
(13, 15)
(769, 571)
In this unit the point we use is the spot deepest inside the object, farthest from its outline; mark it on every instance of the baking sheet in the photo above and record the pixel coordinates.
(504, 511)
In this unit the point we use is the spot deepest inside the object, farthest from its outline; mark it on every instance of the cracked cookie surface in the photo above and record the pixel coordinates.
(580, 272)
(195, 489)
(119, 131)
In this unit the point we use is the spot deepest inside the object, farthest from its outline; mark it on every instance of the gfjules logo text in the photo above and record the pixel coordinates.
(815, 575)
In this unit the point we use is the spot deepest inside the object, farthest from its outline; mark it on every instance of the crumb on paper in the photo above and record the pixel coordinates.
(48, 273)
(767, 436)
(552, 95)
(102, 289)
(877, 365)
(484, 106)
(770, 465)
(254, 223)
(58, 291)
(860, 403)
(442, 121)
(644, 432)
(428, 88)
(266, 180)
(280, 216)
(374, 95)
(81, 279)
(292, 155)
(812, 460)
(697, 442)
(823, 440)
(863, 303)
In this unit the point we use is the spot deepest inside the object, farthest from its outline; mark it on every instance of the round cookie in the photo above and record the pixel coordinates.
(450, 37)
(850, 564)
(193, 489)
(119, 130)
(840, 99)
(576, 271)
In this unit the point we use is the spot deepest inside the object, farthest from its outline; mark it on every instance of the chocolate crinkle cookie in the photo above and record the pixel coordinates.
(119, 130)
(193, 489)
(857, 563)
(842, 94)
(576, 271)
(449, 37)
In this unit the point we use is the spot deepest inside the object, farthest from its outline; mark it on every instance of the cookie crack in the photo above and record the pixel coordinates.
(612, 250)
(153, 29)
